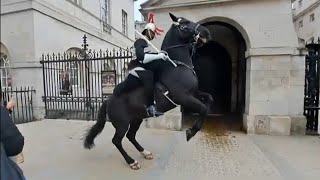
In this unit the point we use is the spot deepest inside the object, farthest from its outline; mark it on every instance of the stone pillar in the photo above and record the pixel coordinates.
(31, 69)
(171, 120)
(274, 92)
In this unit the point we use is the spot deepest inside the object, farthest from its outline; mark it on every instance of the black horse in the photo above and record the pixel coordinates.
(180, 81)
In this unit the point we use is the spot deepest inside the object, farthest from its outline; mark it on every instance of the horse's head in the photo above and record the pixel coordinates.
(189, 31)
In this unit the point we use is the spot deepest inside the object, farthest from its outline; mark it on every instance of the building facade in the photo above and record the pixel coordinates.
(30, 28)
(306, 17)
(260, 72)
(139, 26)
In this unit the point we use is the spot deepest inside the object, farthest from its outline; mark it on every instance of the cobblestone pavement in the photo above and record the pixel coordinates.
(54, 151)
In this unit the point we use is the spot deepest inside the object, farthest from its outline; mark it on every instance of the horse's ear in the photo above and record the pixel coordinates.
(173, 17)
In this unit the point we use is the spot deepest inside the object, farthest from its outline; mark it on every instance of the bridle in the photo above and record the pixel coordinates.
(192, 42)
(196, 35)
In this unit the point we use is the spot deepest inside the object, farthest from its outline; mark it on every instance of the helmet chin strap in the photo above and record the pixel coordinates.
(149, 34)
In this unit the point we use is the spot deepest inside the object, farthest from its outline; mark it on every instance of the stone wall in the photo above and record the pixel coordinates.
(275, 67)
(274, 93)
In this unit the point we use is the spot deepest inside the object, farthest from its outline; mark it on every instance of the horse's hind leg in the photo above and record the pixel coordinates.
(131, 135)
(121, 130)
(190, 102)
(204, 97)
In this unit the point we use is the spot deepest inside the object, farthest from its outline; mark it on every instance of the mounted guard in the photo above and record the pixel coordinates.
(143, 67)
(177, 77)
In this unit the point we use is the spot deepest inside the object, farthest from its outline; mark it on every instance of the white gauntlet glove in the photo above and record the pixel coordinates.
(163, 56)
(151, 57)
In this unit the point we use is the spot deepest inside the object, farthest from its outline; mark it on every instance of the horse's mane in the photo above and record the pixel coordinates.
(168, 36)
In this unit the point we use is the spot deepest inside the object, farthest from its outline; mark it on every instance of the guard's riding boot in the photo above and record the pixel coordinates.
(148, 82)
(153, 112)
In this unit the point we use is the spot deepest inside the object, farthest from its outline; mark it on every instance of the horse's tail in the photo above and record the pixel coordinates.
(97, 128)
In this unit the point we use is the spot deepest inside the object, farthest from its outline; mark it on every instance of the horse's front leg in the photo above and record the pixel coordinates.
(131, 135)
(188, 101)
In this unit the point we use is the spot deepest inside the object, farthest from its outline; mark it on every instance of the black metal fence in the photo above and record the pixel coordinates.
(23, 111)
(76, 83)
(311, 90)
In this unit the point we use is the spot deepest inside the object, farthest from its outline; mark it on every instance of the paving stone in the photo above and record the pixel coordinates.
(213, 155)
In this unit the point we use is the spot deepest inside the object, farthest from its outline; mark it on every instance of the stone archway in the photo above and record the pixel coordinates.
(231, 23)
(213, 67)
(226, 51)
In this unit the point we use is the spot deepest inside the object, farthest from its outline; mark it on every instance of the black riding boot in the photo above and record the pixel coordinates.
(148, 81)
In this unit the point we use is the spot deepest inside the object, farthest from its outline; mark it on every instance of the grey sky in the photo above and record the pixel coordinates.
(137, 14)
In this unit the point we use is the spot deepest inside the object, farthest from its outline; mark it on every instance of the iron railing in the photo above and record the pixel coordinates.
(23, 96)
(75, 84)
(311, 90)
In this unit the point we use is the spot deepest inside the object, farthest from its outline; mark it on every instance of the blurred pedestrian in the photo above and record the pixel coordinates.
(12, 143)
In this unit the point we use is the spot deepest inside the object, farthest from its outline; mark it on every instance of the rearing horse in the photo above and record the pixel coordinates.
(128, 111)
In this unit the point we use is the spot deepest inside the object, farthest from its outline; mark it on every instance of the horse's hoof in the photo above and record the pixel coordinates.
(189, 134)
(148, 156)
(135, 165)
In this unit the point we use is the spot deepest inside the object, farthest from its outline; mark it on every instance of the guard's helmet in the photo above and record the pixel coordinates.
(151, 27)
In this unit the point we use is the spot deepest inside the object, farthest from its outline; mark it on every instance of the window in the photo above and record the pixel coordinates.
(5, 77)
(106, 15)
(301, 24)
(74, 73)
(312, 17)
(77, 2)
(106, 12)
(300, 3)
(124, 23)
(72, 70)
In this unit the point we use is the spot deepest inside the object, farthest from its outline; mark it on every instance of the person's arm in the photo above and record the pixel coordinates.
(143, 57)
(12, 139)
(139, 46)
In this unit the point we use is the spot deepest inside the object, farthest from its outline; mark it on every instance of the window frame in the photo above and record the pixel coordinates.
(300, 24)
(312, 17)
(300, 3)
(76, 2)
(124, 22)
(106, 15)
(4, 73)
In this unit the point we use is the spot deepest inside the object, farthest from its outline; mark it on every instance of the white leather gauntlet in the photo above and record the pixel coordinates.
(151, 57)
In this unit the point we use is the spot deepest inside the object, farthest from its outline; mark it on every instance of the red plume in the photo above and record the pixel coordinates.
(151, 20)
(151, 17)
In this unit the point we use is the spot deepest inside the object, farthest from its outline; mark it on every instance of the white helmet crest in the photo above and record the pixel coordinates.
(151, 25)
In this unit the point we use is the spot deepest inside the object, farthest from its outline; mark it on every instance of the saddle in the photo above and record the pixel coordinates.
(133, 63)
